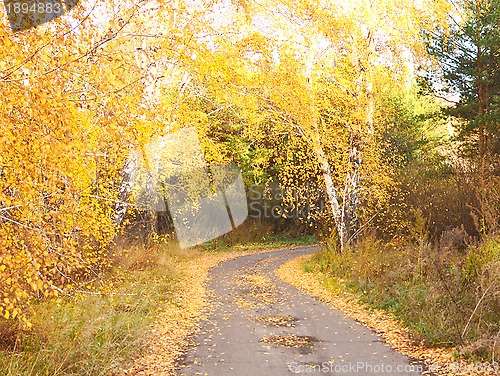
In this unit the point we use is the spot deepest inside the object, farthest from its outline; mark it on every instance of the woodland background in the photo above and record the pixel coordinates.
(387, 110)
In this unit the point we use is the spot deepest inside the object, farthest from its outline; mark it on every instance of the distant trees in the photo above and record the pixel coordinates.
(468, 52)
(316, 63)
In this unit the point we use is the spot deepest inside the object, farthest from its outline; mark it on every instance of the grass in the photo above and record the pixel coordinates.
(447, 297)
(224, 244)
(94, 334)
(101, 334)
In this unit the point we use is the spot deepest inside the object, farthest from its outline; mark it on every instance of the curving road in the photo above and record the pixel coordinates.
(258, 325)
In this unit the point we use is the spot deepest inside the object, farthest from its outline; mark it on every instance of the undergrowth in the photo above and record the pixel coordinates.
(99, 334)
(447, 293)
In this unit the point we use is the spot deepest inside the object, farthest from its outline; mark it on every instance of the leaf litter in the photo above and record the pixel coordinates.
(177, 322)
(398, 337)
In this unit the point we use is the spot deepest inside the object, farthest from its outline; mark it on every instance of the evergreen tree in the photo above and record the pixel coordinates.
(468, 50)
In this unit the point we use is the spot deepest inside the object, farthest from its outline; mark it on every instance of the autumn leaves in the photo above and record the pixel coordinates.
(79, 93)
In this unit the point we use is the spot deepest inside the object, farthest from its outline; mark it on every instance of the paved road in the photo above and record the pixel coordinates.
(258, 325)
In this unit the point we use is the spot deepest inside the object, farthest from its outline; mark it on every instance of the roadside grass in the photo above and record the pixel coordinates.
(269, 242)
(92, 333)
(101, 334)
(446, 296)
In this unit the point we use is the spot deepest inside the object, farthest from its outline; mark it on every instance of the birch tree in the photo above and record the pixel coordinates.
(340, 42)
(76, 95)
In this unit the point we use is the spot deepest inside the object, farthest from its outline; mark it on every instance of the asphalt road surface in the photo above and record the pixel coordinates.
(258, 325)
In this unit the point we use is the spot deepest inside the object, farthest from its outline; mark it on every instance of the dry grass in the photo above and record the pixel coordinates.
(397, 336)
(151, 299)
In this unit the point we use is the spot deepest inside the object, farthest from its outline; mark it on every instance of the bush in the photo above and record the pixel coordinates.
(447, 294)
(94, 333)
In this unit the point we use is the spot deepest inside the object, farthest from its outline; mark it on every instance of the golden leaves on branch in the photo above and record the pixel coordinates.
(72, 105)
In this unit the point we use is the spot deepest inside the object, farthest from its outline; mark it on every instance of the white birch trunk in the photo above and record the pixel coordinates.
(319, 153)
(125, 189)
(359, 138)
(331, 194)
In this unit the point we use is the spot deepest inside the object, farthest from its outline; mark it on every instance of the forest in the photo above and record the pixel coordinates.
(369, 128)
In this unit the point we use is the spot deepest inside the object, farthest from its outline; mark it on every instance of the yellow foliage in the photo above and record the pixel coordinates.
(79, 93)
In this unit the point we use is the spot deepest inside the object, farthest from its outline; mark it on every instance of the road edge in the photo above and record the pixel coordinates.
(175, 324)
(398, 337)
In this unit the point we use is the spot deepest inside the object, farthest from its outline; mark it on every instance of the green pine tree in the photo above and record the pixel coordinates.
(468, 51)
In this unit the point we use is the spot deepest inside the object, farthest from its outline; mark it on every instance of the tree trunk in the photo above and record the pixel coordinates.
(331, 194)
(319, 153)
(127, 180)
(360, 137)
